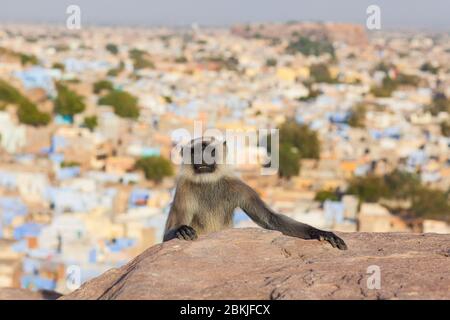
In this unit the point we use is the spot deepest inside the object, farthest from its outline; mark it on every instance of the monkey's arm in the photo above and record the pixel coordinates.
(262, 215)
(178, 221)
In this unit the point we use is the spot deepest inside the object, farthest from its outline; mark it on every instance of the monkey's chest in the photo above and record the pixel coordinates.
(209, 216)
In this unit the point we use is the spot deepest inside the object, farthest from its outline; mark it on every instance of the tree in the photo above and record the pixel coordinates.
(425, 201)
(440, 103)
(402, 184)
(296, 142)
(445, 128)
(310, 47)
(103, 85)
(155, 168)
(289, 161)
(27, 111)
(271, 62)
(368, 189)
(67, 102)
(385, 90)
(58, 65)
(320, 73)
(28, 59)
(140, 59)
(115, 71)
(324, 195)
(431, 203)
(29, 114)
(407, 79)
(123, 103)
(357, 116)
(428, 67)
(90, 122)
(301, 137)
(112, 48)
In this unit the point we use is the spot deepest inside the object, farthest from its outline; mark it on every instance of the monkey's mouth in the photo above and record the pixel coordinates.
(204, 168)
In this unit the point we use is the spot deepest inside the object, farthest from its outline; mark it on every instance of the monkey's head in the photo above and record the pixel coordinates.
(204, 159)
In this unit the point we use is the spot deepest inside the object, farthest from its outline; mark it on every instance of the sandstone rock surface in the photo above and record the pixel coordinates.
(24, 294)
(262, 264)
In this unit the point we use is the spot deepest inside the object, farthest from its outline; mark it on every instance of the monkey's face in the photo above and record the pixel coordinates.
(204, 155)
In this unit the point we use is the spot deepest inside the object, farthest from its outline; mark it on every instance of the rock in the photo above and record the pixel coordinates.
(262, 264)
(24, 294)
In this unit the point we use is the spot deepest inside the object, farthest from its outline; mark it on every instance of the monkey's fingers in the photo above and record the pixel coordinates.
(337, 242)
(333, 239)
(186, 233)
(341, 244)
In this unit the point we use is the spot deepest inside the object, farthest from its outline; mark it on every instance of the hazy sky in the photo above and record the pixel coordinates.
(429, 14)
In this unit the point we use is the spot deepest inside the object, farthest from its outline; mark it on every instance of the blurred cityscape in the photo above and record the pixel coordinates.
(87, 116)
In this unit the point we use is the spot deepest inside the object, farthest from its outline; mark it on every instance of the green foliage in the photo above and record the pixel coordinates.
(431, 203)
(302, 138)
(312, 93)
(439, 104)
(27, 112)
(396, 185)
(310, 47)
(271, 62)
(358, 116)
(384, 67)
(407, 79)
(324, 195)
(124, 104)
(112, 48)
(68, 164)
(401, 184)
(320, 73)
(28, 59)
(181, 59)
(289, 161)
(58, 65)
(296, 142)
(140, 59)
(229, 63)
(114, 72)
(368, 189)
(168, 99)
(90, 122)
(425, 202)
(385, 90)
(155, 168)
(428, 67)
(103, 85)
(445, 128)
(67, 102)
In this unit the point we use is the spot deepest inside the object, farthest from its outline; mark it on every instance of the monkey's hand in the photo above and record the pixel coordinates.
(186, 233)
(330, 237)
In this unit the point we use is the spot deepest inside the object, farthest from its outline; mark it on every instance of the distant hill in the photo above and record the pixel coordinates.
(352, 34)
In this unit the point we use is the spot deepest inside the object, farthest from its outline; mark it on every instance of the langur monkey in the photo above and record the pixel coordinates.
(207, 193)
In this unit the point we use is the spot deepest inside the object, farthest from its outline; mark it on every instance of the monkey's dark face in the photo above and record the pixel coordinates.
(204, 155)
